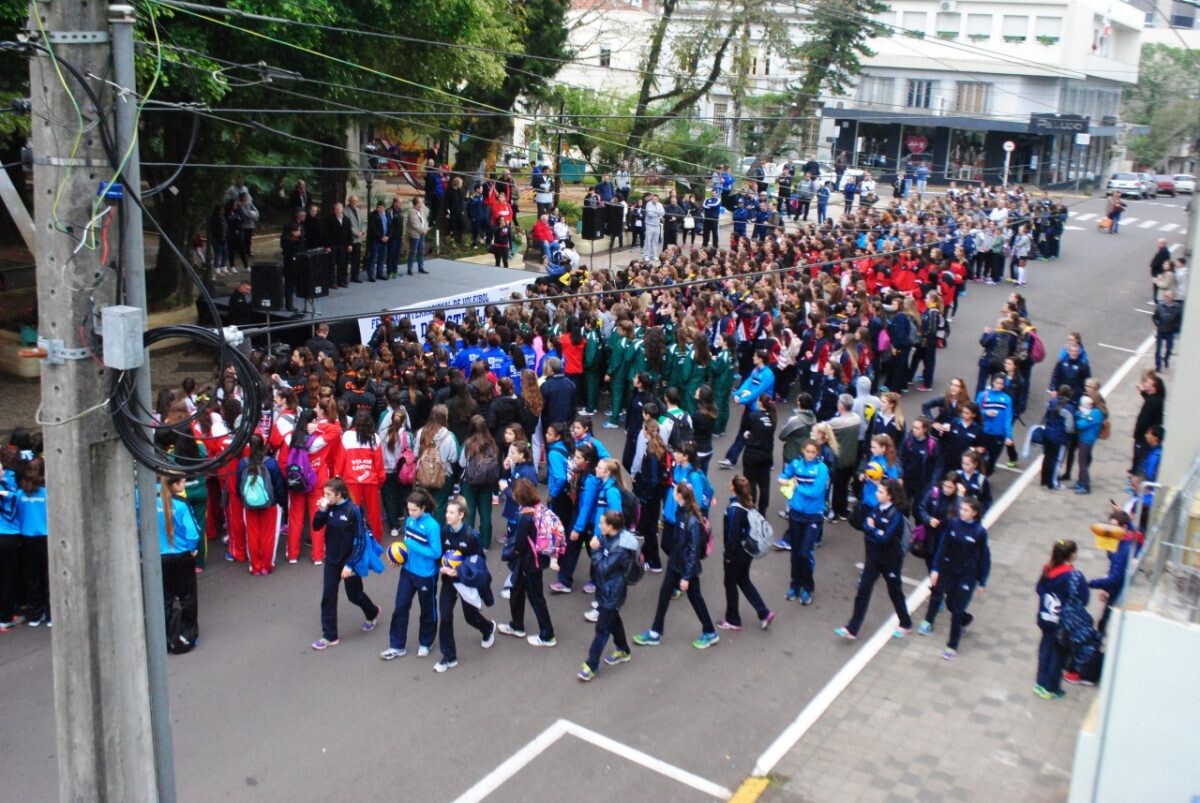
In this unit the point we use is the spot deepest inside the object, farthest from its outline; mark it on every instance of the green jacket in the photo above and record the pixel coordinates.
(592, 348)
(620, 355)
(720, 374)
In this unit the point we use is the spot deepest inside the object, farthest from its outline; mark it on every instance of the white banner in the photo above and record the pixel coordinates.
(497, 294)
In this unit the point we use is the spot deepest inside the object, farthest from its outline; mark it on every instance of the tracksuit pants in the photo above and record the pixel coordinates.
(737, 578)
(447, 596)
(301, 509)
(875, 565)
(369, 498)
(529, 584)
(262, 537)
(804, 531)
(424, 589)
(235, 517)
(670, 584)
(608, 623)
(1051, 659)
(329, 599)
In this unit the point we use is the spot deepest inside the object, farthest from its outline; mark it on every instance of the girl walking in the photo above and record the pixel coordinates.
(963, 561)
(737, 560)
(883, 533)
(1060, 585)
(528, 565)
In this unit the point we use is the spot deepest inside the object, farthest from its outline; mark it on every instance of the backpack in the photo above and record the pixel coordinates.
(300, 475)
(1037, 349)
(759, 535)
(257, 491)
(631, 508)
(431, 472)
(883, 342)
(406, 465)
(637, 567)
(942, 330)
(707, 534)
(551, 537)
(482, 469)
(681, 431)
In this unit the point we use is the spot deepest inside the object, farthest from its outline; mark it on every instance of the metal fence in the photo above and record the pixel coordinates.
(1166, 576)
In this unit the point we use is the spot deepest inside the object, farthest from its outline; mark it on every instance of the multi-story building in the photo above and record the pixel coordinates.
(957, 79)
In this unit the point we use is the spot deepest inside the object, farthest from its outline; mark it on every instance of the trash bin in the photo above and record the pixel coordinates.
(573, 170)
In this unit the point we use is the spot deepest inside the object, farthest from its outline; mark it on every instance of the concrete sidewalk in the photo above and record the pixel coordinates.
(912, 726)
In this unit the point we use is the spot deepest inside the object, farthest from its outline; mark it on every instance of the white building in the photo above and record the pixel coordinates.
(959, 78)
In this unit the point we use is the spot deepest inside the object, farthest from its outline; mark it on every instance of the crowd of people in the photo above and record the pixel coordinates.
(806, 332)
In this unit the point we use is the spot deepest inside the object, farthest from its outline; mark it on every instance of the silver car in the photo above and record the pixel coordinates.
(1149, 185)
(1128, 184)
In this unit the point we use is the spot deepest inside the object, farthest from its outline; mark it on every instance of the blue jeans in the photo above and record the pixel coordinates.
(609, 622)
(423, 589)
(1162, 359)
(1051, 658)
(377, 260)
(804, 530)
(416, 250)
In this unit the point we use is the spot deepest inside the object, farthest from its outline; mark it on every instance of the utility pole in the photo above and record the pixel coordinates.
(133, 260)
(101, 689)
(558, 152)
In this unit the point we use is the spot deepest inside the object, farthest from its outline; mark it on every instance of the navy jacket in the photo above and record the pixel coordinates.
(920, 464)
(341, 525)
(558, 392)
(885, 538)
(935, 505)
(1054, 588)
(689, 546)
(611, 562)
(963, 551)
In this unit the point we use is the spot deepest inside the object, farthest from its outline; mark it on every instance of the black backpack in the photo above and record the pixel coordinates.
(637, 567)
(681, 431)
(630, 507)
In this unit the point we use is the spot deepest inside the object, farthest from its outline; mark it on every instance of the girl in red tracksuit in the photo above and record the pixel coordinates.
(235, 511)
(262, 524)
(210, 431)
(360, 464)
(317, 437)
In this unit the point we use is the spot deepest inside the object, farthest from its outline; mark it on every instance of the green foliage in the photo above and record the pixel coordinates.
(1165, 74)
(685, 144)
(571, 211)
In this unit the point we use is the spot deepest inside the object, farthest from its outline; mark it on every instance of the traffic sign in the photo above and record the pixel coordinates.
(1009, 146)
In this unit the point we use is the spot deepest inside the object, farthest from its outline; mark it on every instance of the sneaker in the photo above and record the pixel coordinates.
(793, 595)
(558, 588)
(806, 598)
(654, 569)
(706, 640)
(589, 587)
(924, 388)
(676, 594)
(318, 563)
(617, 657)
(592, 616)
(1056, 695)
(1040, 692)
(1083, 491)
(505, 593)
(395, 533)
(581, 411)
(392, 654)
(726, 625)
(509, 630)
(1075, 680)
(443, 665)
(324, 643)
(369, 625)
(490, 639)
(949, 654)
(901, 632)
(6, 626)
(229, 557)
(585, 673)
(781, 545)
(538, 641)
(422, 651)
(37, 621)
(783, 514)
(766, 620)
(647, 638)
(610, 425)
(842, 632)
(50, 623)
(1012, 463)
(595, 604)
(726, 465)
(293, 560)
(924, 628)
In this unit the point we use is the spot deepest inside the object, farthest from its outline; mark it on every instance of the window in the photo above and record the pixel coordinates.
(605, 57)
(979, 27)
(720, 111)
(1015, 28)
(1182, 21)
(919, 95)
(877, 91)
(914, 21)
(971, 97)
(1048, 29)
(1150, 15)
(948, 25)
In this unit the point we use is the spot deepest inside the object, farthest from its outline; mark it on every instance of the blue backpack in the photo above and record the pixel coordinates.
(257, 490)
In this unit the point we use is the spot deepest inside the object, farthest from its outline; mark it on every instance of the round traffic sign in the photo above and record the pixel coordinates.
(1009, 146)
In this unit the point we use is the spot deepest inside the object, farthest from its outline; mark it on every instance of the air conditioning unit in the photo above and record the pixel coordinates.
(948, 5)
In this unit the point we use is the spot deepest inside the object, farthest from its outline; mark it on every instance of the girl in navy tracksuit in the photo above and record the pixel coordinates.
(345, 540)
(613, 549)
(10, 542)
(651, 486)
(963, 560)
(518, 465)
(936, 508)
(1060, 583)
(527, 566)
(972, 481)
(457, 536)
(31, 516)
(737, 560)
(579, 532)
(883, 533)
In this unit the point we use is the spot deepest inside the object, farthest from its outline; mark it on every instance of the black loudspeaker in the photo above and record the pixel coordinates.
(593, 228)
(314, 268)
(266, 286)
(614, 220)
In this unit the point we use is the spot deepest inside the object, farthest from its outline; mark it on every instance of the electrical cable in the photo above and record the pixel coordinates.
(187, 155)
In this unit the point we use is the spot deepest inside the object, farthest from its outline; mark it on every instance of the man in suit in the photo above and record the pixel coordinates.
(358, 228)
(395, 225)
(378, 237)
(299, 199)
(339, 242)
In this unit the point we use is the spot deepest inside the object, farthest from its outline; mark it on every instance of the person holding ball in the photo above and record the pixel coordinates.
(418, 578)
(461, 542)
(344, 543)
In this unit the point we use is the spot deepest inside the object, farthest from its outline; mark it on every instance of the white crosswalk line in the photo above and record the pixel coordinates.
(1087, 216)
(1169, 227)
(1148, 224)
(1125, 221)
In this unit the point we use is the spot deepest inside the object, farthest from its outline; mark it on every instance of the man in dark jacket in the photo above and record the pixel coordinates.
(378, 237)
(558, 392)
(1154, 399)
(612, 551)
(1162, 257)
(1168, 318)
(338, 240)
(344, 542)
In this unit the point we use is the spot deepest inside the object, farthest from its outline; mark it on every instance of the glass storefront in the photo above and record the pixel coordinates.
(964, 159)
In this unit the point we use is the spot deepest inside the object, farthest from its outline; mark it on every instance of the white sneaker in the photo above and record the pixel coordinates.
(395, 533)
(536, 641)
(390, 654)
(592, 616)
(491, 638)
(422, 652)
(442, 666)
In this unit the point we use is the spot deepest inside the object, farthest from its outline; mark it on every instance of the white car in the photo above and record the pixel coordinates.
(1128, 184)
(1184, 182)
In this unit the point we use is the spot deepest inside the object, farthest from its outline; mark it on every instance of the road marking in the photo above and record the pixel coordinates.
(544, 740)
(1169, 227)
(1148, 224)
(1120, 348)
(819, 704)
(1088, 216)
(1074, 228)
(1144, 311)
(750, 790)
(1127, 221)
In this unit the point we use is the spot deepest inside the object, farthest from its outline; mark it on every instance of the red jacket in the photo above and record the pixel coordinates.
(359, 463)
(572, 355)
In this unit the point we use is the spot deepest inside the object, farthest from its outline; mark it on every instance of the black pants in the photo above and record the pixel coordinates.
(1069, 456)
(35, 575)
(671, 580)
(10, 575)
(329, 599)
(994, 445)
(841, 490)
(447, 596)
(802, 208)
(737, 578)
(341, 264)
(609, 622)
(710, 230)
(179, 582)
(568, 562)
(647, 527)
(355, 261)
(1050, 461)
(529, 583)
(245, 241)
(758, 472)
(888, 565)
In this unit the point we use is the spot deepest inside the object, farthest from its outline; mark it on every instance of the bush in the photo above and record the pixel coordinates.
(590, 180)
(571, 211)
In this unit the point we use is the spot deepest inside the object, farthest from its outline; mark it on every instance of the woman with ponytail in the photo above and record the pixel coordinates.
(262, 522)
(360, 464)
(178, 539)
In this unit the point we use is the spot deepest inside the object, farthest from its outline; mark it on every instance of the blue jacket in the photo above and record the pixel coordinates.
(687, 476)
(341, 525)
(963, 551)
(423, 536)
(608, 497)
(519, 471)
(1054, 589)
(870, 489)
(1118, 563)
(812, 481)
(610, 563)
(1073, 373)
(557, 468)
(498, 361)
(1058, 413)
(465, 358)
(585, 505)
(187, 534)
(712, 208)
(978, 486)
(935, 505)
(1087, 425)
(601, 450)
(10, 523)
(689, 546)
(760, 381)
(995, 409)
(31, 513)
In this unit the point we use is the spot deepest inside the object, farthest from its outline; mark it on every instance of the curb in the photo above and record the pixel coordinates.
(751, 789)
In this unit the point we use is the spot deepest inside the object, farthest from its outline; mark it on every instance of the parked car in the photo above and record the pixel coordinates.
(1184, 182)
(1166, 185)
(1149, 185)
(516, 160)
(1128, 184)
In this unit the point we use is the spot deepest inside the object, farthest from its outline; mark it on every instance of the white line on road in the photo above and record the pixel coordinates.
(819, 704)
(1144, 311)
(1128, 220)
(1119, 348)
(1148, 224)
(1169, 227)
(1073, 228)
(1088, 216)
(514, 764)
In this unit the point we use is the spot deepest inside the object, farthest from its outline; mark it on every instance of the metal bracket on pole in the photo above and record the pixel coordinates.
(54, 352)
(77, 37)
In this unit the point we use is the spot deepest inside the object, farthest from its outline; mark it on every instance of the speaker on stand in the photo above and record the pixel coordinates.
(314, 268)
(266, 291)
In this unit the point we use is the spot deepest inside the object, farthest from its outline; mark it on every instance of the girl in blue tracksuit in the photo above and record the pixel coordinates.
(579, 531)
(31, 518)
(808, 477)
(883, 455)
(883, 534)
(1088, 420)
(973, 482)
(683, 473)
(934, 511)
(10, 541)
(178, 540)
(995, 407)
(1060, 584)
(558, 472)
(963, 560)
(1112, 585)
(418, 578)
(759, 382)
(608, 495)
(683, 573)
(581, 431)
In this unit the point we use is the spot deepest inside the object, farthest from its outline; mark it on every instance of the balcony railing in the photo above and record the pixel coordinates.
(1166, 578)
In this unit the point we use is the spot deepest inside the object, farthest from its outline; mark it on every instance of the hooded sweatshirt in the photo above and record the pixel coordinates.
(862, 399)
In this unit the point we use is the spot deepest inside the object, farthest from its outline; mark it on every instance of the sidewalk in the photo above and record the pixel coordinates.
(912, 726)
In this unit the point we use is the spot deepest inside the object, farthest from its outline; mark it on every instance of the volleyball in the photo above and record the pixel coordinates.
(874, 472)
(452, 559)
(397, 553)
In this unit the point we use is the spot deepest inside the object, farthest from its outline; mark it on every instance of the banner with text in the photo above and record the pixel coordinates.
(456, 307)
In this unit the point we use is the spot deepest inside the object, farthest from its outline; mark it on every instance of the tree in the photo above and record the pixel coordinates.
(838, 35)
(1165, 74)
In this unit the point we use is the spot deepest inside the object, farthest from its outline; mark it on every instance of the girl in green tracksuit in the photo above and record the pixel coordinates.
(593, 359)
(720, 378)
(620, 364)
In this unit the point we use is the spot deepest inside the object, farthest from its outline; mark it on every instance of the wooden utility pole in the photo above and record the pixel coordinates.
(102, 695)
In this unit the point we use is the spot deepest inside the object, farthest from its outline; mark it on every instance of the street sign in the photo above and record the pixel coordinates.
(1083, 140)
(1009, 146)
(1058, 123)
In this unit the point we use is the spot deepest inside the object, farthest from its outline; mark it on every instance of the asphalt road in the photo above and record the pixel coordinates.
(258, 715)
